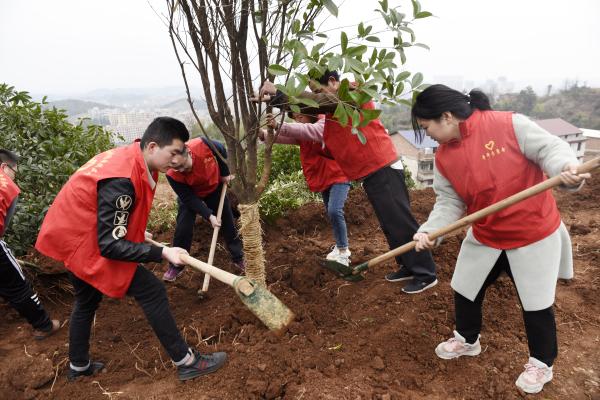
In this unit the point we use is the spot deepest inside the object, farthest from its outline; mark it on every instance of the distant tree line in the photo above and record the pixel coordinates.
(578, 105)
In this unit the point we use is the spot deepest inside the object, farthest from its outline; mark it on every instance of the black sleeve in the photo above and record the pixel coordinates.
(189, 198)
(116, 201)
(223, 167)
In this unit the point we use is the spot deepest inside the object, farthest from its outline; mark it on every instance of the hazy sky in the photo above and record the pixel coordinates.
(72, 46)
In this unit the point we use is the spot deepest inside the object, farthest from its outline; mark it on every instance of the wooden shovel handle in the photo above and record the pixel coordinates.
(223, 276)
(213, 243)
(484, 212)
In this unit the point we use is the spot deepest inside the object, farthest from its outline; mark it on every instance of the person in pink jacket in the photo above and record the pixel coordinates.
(322, 174)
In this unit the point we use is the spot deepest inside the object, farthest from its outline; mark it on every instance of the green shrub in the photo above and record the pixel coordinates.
(50, 149)
(285, 193)
(285, 160)
(163, 215)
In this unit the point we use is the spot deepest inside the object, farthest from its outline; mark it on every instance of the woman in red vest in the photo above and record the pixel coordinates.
(377, 165)
(96, 227)
(323, 175)
(14, 287)
(485, 156)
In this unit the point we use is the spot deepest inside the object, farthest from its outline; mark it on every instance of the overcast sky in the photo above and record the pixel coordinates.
(72, 46)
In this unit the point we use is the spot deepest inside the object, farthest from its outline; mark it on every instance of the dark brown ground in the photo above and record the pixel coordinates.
(349, 341)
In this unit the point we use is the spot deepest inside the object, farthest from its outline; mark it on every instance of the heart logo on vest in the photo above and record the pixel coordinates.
(490, 145)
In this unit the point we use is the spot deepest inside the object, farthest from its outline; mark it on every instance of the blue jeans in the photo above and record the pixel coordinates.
(335, 198)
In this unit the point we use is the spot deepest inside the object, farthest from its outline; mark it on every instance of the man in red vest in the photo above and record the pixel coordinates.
(378, 166)
(96, 226)
(198, 182)
(14, 288)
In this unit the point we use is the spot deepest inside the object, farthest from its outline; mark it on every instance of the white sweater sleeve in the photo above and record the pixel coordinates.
(550, 152)
(448, 207)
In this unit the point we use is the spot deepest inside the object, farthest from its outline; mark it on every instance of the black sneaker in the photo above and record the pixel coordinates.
(204, 364)
(415, 286)
(403, 274)
(94, 367)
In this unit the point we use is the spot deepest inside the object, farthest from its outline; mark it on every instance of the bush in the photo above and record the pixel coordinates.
(287, 188)
(285, 193)
(285, 160)
(51, 149)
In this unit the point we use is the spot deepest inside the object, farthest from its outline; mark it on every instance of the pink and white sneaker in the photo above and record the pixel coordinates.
(534, 377)
(456, 347)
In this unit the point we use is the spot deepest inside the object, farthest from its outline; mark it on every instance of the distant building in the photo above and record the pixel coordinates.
(132, 124)
(418, 157)
(567, 132)
(592, 144)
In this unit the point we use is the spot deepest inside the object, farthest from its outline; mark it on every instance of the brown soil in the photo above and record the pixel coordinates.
(349, 341)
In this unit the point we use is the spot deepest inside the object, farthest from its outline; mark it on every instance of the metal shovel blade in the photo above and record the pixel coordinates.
(268, 308)
(341, 270)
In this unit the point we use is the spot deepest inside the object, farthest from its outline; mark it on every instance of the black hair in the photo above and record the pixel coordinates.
(8, 157)
(432, 102)
(163, 130)
(323, 79)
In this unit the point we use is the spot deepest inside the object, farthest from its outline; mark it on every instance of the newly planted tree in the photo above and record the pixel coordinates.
(233, 46)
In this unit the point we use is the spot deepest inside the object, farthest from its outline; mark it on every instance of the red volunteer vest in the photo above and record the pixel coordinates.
(205, 173)
(69, 231)
(486, 166)
(355, 159)
(8, 191)
(320, 172)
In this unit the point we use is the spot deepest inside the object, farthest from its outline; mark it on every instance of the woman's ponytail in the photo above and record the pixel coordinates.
(478, 100)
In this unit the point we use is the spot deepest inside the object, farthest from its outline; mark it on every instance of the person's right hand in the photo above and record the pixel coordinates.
(214, 222)
(262, 134)
(172, 254)
(423, 242)
(271, 122)
(267, 88)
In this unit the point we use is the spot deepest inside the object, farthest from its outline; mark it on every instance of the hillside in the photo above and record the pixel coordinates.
(578, 105)
(365, 340)
(75, 107)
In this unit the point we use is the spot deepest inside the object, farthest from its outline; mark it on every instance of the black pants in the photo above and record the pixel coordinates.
(186, 219)
(388, 195)
(540, 326)
(150, 294)
(17, 291)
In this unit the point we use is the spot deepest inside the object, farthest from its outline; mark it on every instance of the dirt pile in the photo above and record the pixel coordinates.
(349, 341)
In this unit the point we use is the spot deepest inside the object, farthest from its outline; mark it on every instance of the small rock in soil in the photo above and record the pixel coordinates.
(378, 363)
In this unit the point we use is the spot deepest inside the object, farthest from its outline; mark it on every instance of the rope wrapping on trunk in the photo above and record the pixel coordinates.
(251, 233)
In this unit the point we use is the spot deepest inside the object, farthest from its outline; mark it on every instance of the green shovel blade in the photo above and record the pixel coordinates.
(341, 270)
(265, 306)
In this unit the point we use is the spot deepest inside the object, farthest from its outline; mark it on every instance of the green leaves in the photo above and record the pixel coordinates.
(277, 69)
(51, 150)
(417, 79)
(331, 7)
(423, 14)
(344, 41)
(340, 114)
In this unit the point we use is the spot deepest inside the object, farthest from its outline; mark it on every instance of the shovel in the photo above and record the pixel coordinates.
(268, 308)
(353, 274)
(213, 245)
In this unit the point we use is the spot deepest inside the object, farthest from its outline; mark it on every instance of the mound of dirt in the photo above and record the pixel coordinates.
(365, 340)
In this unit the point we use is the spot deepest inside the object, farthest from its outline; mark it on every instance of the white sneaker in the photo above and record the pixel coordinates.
(456, 347)
(335, 253)
(534, 377)
(343, 258)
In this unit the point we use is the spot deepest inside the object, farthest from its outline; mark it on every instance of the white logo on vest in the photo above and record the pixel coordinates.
(119, 232)
(124, 202)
